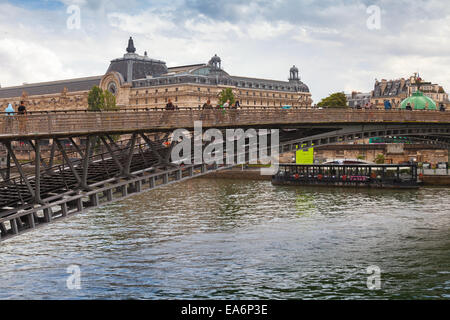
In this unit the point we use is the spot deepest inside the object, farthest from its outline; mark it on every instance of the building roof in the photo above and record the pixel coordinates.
(391, 88)
(185, 68)
(275, 84)
(52, 87)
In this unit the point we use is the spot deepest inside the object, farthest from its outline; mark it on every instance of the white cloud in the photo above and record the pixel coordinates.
(147, 22)
(328, 41)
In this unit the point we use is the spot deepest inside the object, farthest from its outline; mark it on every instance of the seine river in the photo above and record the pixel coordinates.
(229, 239)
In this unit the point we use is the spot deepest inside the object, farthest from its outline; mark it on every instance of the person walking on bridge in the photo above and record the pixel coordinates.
(169, 105)
(9, 110)
(22, 115)
(9, 113)
(169, 109)
(207, 107)
(387, 105)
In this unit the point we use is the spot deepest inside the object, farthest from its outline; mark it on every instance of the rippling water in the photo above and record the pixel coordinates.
(233, 239)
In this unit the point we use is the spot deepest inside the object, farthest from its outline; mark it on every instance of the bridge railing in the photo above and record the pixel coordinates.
(96, 122)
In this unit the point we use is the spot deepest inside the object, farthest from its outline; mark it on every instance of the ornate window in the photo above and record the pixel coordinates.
(112, 87)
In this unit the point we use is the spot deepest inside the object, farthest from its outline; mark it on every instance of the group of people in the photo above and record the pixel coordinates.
(22, 110)
(388, 106)
(226, 105)
(207, 105)
(10, 112)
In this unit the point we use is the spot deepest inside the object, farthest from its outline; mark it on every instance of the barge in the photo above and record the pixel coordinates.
(349, 175)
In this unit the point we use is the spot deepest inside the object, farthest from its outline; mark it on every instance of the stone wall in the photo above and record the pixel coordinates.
(62, 101)
(393, 153)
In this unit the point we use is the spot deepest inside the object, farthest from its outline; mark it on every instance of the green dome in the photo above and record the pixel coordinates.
(419, 101)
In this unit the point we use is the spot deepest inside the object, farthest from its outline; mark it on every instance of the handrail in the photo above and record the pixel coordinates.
(38, 125)
(137, 109)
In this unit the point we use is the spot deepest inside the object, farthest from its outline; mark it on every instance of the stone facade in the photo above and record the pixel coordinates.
(433, 91)
(358, 99)
(393, 153)
(139, 81)
(56, 95)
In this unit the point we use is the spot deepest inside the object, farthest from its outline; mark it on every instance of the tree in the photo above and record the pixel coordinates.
(334, 100)
(226, 94)
(96, 99)
(110, 101)
(379, 159)
(101, 100)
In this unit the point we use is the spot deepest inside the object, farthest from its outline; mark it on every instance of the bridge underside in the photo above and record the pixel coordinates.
(63, 178)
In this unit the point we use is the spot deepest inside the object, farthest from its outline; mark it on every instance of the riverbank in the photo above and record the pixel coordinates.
(255, 174)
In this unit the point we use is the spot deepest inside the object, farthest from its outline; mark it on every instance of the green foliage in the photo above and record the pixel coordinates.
(360, 157)
(379, 159)
(226, 94)
(334, 100)
(96, 99)
(101, 100)
(110, 101)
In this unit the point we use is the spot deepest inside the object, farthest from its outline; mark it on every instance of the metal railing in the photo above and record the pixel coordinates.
(123, 121)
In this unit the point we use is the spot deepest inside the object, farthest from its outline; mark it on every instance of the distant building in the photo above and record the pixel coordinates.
(139, 81)
(433, 91)
(356, 99)
(397, 90)
(393, 90)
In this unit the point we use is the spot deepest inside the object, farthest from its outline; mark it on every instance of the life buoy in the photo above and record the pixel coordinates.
(319, 176)
(296, 176)
(420, 175)
(344, 177)
(373, 175)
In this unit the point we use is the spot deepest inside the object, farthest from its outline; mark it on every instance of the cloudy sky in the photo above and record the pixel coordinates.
(338, 45)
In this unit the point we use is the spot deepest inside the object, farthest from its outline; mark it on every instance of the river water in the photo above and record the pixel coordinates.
(233, 239)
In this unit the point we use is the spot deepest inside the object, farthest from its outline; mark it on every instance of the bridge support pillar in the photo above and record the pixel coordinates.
(64, 209)
(3, 230)
(31, 221)
(86, 156)
(94, 199)
(37, 172)
(152, 182)
(126, 168)
(109, 195)
(138, 186)
(48, 215)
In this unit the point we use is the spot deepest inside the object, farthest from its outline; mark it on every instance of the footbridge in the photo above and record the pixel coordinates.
(56, 164)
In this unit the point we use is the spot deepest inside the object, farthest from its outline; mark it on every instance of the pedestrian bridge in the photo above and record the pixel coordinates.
(76, 161)
(49, 124)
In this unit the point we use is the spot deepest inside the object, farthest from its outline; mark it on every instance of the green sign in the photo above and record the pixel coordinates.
(304, 156)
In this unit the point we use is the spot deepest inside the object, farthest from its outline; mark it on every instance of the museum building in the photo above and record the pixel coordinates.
(143, 82)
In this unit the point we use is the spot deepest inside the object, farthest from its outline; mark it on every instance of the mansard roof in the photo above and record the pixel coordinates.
(214, 77)
(133, 66)
(52, 87)
(390, 88)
